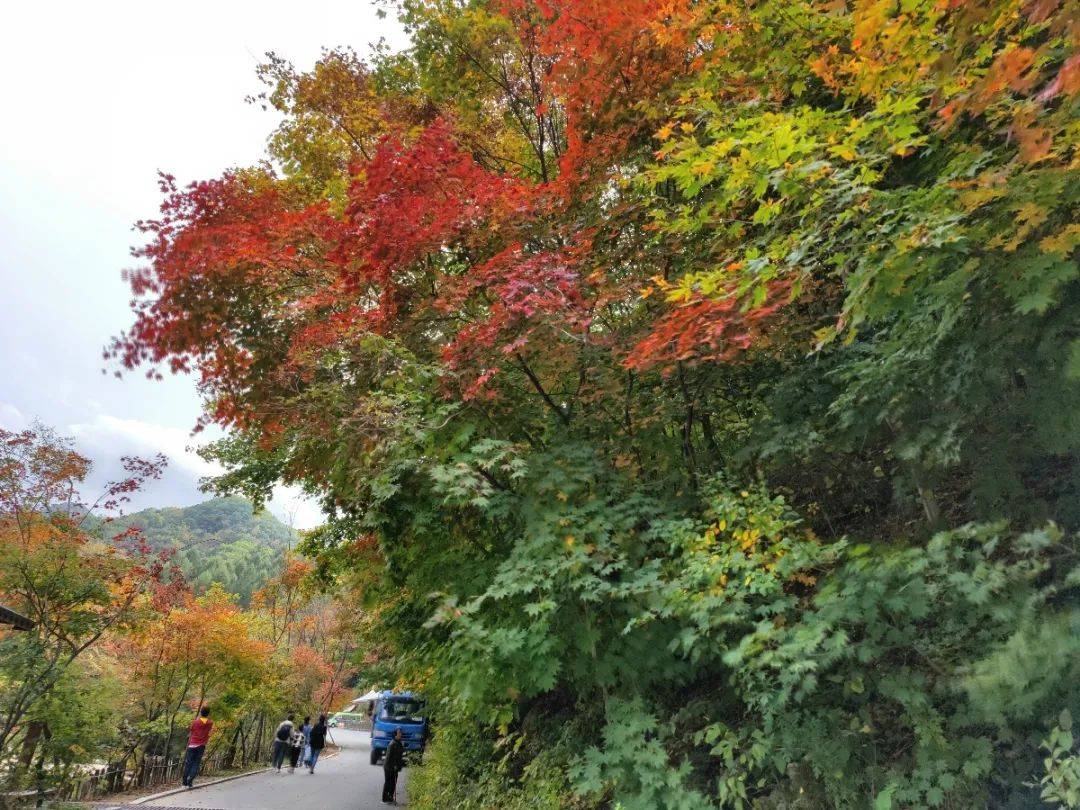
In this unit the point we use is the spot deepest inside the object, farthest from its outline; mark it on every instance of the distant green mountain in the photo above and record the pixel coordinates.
(220, 540)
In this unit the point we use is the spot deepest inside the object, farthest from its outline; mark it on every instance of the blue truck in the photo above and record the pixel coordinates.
(394, 710)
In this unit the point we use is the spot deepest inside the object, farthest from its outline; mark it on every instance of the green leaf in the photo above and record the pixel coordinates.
(1072, 364)
(884, 800)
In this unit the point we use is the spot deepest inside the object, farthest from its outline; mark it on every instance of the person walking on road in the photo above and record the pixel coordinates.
(305, 751)
(316, 743)
(281, 742)
(296, 747)
(198, 736)
(395, 761)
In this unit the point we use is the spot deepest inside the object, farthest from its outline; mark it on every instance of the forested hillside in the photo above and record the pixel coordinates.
(120, 650)
(695, 385)
(222, 540)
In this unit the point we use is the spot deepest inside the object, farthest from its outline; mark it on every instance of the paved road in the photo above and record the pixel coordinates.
(345, 782)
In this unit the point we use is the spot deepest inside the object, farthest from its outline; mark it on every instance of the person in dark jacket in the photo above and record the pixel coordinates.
(281, 742)
(395, 761)
(316, 742)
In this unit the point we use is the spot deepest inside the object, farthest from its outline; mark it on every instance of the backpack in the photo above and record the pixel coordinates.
(284, 730)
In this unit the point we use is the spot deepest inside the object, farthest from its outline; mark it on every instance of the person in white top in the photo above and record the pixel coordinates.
(281, 742)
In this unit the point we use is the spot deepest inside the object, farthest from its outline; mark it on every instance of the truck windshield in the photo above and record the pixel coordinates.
(403, 711)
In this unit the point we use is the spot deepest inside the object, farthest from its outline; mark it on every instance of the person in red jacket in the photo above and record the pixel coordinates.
(198, 736)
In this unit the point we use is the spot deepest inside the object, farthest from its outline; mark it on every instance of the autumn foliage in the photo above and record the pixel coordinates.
(600, 327)
(77, 583)
(121, 650)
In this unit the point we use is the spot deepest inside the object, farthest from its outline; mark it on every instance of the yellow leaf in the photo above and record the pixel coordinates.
(1032, 213)
(1064, 242)
(975, 198)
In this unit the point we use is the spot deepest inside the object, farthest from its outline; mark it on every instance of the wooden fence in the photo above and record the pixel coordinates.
(151, 772)
(147, 772)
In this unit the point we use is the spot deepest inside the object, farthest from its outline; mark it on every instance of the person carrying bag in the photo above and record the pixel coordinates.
(281, 742)
(316, 743)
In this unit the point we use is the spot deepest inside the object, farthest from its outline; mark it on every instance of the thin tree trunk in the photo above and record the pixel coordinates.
(230, 754)
(258, 752)
(29, 745)
(243, 744)
(40, 772)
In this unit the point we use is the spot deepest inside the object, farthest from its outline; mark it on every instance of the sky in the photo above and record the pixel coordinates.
(97, 98)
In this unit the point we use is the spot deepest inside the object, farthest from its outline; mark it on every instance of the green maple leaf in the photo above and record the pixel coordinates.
(1072, 364)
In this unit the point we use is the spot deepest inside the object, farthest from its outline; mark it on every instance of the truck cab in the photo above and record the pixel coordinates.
(394, 710)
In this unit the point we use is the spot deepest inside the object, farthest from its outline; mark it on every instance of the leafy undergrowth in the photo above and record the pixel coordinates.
(464, 769)
(808, 674)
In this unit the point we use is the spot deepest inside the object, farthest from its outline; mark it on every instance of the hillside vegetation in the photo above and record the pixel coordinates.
(222, 540)
(695, 386)
(122, 651)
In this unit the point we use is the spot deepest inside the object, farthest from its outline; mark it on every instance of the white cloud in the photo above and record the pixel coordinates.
(136, 437)
(11, 418)
(107, 438)
(142, 86)
(293, 508)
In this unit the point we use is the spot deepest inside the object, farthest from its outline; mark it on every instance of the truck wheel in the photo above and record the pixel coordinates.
(375, 756)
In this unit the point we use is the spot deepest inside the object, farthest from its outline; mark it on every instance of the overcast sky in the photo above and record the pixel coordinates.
(98, 97)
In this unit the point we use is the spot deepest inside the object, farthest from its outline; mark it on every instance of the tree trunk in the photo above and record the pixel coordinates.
(168, 741)
(34, 731)
(230, 753)
(243, 744)
(258, 752)
(40, 770)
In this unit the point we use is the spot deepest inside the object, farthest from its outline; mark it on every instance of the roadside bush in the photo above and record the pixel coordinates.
(803, 674)
(464, 769)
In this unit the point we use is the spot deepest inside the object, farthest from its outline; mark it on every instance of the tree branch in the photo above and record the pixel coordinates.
(540, 390)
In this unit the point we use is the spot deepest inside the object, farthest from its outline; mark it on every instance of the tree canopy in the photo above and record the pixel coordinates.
(691, 383)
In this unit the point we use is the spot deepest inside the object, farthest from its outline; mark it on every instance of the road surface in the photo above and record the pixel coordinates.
(345, 782)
